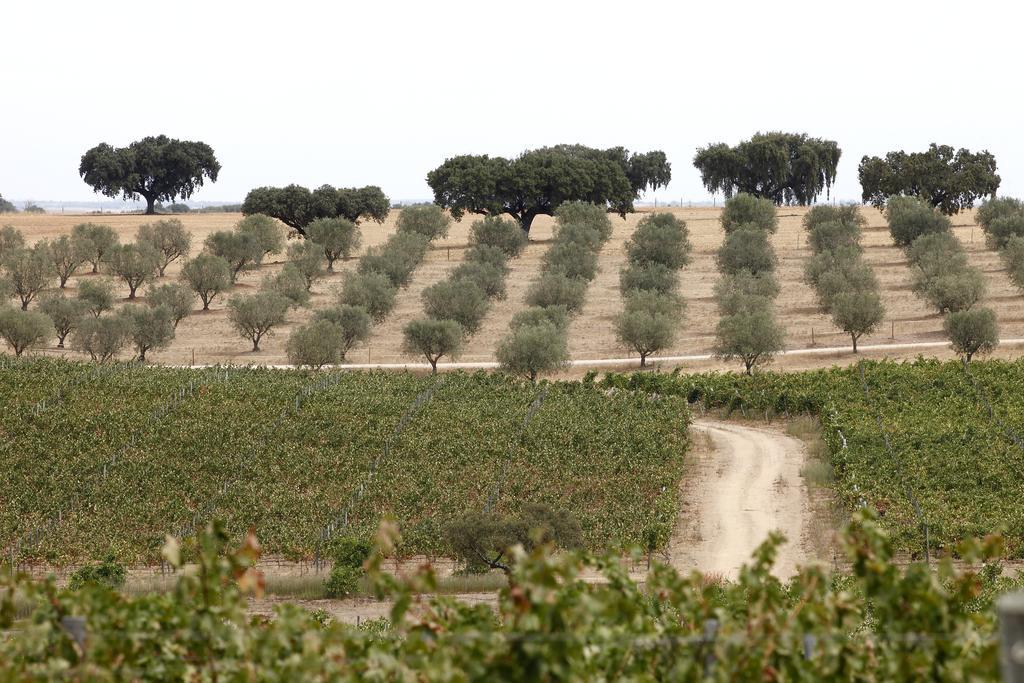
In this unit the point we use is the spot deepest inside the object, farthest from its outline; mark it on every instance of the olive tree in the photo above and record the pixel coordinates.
(495, 231)
(264, 231)
(308, 259)
(134, 264)
(1001, 229)
(972, 332)
(486, 276)
(429, 220)
(101, 337)
(750, 335)
(68, 255)
(956, 290)
(998, 207)
(149, 328)
(1013, 257)
(487, 540)
(654, 277)
(337, 237)
(591, 216)
(831, 235)
(207, 275)
(290, 283)
(648, 323)
(492, 256)
(530, 350)
(571, 259)
(846, 277)
(555, 289)
(746, 248)
(177, 298)
(168, 238)
(22, 329)
(827, 213)
(857, 313)
(398, 258)
(256, 315)
(65, 313)
(660, 238)
(373, 292)
(297, 206)
(538, 315)
(737, 291)
(29, 271)
(432, 339)
(315, 344)
(239, 249)
(460, 300)
(744, 210)
(910, 218)
(10, 239)
(353, 322)
(96, 241)
(98, 296)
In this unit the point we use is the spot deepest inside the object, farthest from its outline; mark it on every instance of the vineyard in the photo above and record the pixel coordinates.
(916, 441)
(99, 459)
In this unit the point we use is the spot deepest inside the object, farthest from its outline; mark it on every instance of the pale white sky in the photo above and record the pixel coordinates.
(358, 93)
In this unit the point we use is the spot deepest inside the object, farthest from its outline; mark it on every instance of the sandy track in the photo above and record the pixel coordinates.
(747, 485)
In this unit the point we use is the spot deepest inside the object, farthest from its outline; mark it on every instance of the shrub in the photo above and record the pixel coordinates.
(830, 235)
(555, 289)
(751, 335)
(397, 258)
(998, 207)
(316, 344)
(432, 339)
(308, 259)
(745, 284)
(65, 314)
(134, 264)
(459, 300)
(337, 237)
(857, 312)
(579, 233)
(98, 296)
(660, 238)
(108, 573)
(972, 332)
(485, 538)
(149, 328)
(654, 277)
(371, 291)
(846, 277)
(343, 582)
(10, 239)
(744, 210)
(494, 231)
(592, 216)
(29, 271)
(824, 262)
(910, 218)
(67, 256)
(955, 290)
(825, 213)
(487, 277)
(239, 249)
(102, 338)
(208, 275)
(349, 556)
(530, 350)
(746, 248)
(23, 330)
(255, 316)
(538, 315)
(265, 233)
(572, 259)
(936, 252)
(1001, 229)
(648, 323)
(289, 283)
(428, 220)
(1013, 257)
(96, 241)
(178, 299)
(168, 238)
(492, 256)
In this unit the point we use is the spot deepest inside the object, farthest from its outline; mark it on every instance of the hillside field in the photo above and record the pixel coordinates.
(908, 319)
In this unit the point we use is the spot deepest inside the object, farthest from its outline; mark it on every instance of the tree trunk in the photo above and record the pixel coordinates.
(24, 304)
(643, 360)
(150, 205)
(142, 355)
(433, 366)
(533, 376)
(131, 291)
(854, 337)
(525, 221)
(749, 364)
(255, 344)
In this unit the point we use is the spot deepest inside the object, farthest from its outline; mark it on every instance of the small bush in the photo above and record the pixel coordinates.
(530, 350)
(289, 283)
(910, 218)
(371, 291)
(972, 332)
(343, 582)
(746, 248)
(494, 231)
(572, 259)
(108, 573)
(660, 238)
(353, 321)
(336, 237)
(537, 315)
(555, 289)
(955, 291)
(824, 213)
(347, 572)
(485, 253)
(315, 344)
(1001, 229)
(1013, 257)
(428, 220)
(998, 207)
(593, 217)
(487, 277)
(830, 235)
(397, 258)
(744, 210)
(459, 300)
(648, 277)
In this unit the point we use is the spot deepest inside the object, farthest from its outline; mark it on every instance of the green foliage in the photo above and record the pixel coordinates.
(655, 277)
(168, 238)
(241, 250)
(150, 328)
(108, 573)
(134, 264)
(10, 239)
(538, 315)
(555, 289)
(64, 313)
(432, 339)
(1013, 258)
(659, 238)
(102, 337)
(23, 330)
(397, 258)
(539, 181)
(265, 232)
(208, 275)
(29, 271)
(942, 274)
(746, 249)
(459, 300)
(910, 218)
(750, 335)
(744, 210)
(857, 312)
(156, 168)
(571, 217)
(492, 256)
(571, 259)
(290, 283)
(487, 539)
(946, 180)
(67, 255)
(648, 322)
(488, 277)
(998, 207)
(338, 237)
(786, 168)
(353, 322)
(972, 332)
(372, 291)
(954, 291)
(734, 292)
(98, 296)
(343, 582)
(827, 213)
(297, 206)
(308, 259)
(95, 240)
(175, 297)
(832, 235)
(255, 316)
(1001, 229)
(315, 344)
(428, 220)
(530, 350)
(7, 206)
(495, 231)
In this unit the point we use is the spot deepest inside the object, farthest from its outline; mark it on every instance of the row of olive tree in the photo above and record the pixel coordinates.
(942, 275)
(537, 340)
(846, 286)
(747, 329)
(649, 283)
(368, 294)
(1002, 219)
(456, 306)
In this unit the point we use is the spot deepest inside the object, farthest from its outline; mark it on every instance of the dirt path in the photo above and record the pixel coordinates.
(745, 483)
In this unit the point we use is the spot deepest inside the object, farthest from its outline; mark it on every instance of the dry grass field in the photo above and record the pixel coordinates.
(908, 319)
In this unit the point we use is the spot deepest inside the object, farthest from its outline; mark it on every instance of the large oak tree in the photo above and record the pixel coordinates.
(156, 168)
(787, 168)
(297, 206)
(948, 180)
(538, 181)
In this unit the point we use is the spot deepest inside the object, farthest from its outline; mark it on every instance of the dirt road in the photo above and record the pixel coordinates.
(745, 483)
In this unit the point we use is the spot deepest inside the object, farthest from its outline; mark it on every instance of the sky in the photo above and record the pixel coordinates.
(379, 93)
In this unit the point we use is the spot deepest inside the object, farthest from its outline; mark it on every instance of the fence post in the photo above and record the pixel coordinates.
(1011, 636)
